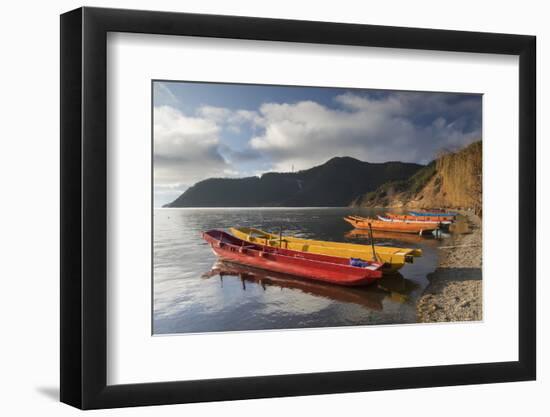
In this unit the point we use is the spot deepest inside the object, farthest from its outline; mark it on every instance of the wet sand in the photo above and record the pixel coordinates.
(455, 289)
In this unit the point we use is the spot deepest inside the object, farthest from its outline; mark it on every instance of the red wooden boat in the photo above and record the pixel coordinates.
(324, 268)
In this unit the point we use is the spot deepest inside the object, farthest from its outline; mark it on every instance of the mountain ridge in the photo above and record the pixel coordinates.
(336, 183)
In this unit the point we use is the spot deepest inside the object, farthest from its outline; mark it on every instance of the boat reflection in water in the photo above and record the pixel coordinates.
(395, 286)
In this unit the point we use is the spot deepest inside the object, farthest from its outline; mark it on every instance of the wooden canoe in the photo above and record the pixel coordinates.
(390, 226)
(324, 268)
(426, 219)
(392, 257)
(432, 214)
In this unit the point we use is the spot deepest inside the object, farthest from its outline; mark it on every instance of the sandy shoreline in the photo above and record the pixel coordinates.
(455, 289)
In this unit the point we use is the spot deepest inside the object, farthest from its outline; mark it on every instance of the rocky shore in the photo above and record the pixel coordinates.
(455, 289)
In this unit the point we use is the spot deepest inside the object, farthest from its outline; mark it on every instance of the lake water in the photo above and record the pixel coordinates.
(193, 292)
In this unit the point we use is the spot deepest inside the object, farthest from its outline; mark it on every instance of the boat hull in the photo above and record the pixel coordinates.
(311, 266)
(392, 258)
(391, 226)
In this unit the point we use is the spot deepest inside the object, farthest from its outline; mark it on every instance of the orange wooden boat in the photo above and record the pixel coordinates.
(427, 219)
(390, 226)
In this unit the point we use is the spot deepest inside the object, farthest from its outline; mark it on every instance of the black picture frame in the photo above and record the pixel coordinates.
(84, 207)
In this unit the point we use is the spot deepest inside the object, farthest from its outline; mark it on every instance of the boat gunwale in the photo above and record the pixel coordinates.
(391, 220)
(352, 247)
(432, 214)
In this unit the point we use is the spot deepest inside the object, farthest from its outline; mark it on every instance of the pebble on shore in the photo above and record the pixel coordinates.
(455, 289)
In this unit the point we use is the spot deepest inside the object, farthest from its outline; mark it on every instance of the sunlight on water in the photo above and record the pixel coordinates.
(195, 293)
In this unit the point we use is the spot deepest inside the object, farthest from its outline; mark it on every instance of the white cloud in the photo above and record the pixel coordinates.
(231, 119)
(307, 133)
(391, 105)
(185, 148)
(216, 114)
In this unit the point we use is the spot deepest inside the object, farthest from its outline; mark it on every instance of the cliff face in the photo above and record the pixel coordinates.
(453, 180)
(335, 183)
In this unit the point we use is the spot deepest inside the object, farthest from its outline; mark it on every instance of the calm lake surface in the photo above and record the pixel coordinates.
(193, 292)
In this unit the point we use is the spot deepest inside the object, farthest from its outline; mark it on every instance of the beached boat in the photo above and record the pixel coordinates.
(432, 214)
(390, 226)
(331, 269)
(393, 258)
(426, 219)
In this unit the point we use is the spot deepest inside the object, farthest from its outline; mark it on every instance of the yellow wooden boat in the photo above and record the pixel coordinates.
(393, 258)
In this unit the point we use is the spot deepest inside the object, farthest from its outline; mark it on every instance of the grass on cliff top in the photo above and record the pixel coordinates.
(409, 186)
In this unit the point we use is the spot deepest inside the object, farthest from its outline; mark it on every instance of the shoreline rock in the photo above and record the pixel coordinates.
(455, 289)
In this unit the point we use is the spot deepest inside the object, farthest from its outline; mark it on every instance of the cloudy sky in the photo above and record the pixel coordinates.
(206, 130)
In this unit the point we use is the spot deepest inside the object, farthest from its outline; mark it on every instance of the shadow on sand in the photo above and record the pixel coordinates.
(454, 274)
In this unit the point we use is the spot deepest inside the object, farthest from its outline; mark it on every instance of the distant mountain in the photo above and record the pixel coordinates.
(336, 183)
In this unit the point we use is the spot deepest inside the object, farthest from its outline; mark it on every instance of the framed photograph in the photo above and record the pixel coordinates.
(256, 208)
